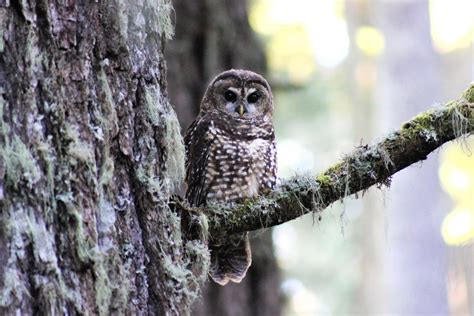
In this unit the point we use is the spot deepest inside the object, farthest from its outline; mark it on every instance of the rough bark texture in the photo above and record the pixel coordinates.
(366, 166)
(203, 46)
(89, 151)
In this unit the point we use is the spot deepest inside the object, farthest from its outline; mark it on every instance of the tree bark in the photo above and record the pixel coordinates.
(90, 151)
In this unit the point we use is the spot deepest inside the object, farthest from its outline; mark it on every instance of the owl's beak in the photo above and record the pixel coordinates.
(241, 110)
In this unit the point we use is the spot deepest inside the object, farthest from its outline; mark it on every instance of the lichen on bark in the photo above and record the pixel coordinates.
(90, 153)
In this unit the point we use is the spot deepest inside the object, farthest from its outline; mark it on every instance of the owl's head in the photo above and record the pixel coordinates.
(242, 94)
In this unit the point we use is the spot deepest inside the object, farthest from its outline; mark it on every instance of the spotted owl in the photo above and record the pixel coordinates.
(231, 157)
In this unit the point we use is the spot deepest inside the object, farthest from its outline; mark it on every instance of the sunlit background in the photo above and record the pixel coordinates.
(326, 62)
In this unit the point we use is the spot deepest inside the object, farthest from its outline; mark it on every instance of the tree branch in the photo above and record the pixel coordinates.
(363, 168)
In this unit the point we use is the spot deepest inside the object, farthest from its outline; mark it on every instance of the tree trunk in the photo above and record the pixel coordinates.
(90, 151)
(205, 45)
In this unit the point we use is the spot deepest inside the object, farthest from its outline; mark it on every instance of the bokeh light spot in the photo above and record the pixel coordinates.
(452, 24)
(369, 40)
(458, 227)
(290, 54)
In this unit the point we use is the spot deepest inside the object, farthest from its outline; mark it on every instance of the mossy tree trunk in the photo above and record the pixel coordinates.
(203, 46)
(89, 152)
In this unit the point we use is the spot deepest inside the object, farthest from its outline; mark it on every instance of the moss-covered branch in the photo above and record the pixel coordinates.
(365, 167)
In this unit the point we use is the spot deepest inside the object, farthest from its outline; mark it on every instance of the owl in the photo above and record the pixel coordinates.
(231, 157)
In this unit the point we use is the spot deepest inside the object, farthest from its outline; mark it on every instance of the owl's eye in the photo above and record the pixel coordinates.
(230, 96)
(252, 98)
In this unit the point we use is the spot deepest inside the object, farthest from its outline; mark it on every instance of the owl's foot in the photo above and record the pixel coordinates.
(231, 259)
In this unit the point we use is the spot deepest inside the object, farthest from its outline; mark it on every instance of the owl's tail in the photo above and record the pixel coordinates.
(230, 258)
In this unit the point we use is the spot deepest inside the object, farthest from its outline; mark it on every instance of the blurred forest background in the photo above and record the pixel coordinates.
(345, 73)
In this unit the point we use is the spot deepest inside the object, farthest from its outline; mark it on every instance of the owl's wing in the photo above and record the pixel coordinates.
(197, 154)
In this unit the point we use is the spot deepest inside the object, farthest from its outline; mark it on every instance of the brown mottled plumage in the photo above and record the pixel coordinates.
(231, 156)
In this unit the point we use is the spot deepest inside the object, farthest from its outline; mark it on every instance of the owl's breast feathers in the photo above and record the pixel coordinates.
(229, 160)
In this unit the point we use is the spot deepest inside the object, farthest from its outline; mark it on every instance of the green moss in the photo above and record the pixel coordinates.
(111, 284)
(324, 180)
(78, 149)
(175, 150)
(45, 151)
(103, 288)
(468, 94)
(33, 54)
(421, 125)
(84, 247)
(52, 287)
(109, 291)
(421, 121)
(385, 156)
(106, 171)
(122, 286)
(164, 12)
(27, 229)
(3, 28)
(19, 163)
(183, 261)
(460, 123)
(152, 184)
(200, 260)
(15, 225)
(108, 115)
(13, 288)
(122, 20)
(153, 107)
(2, 42)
